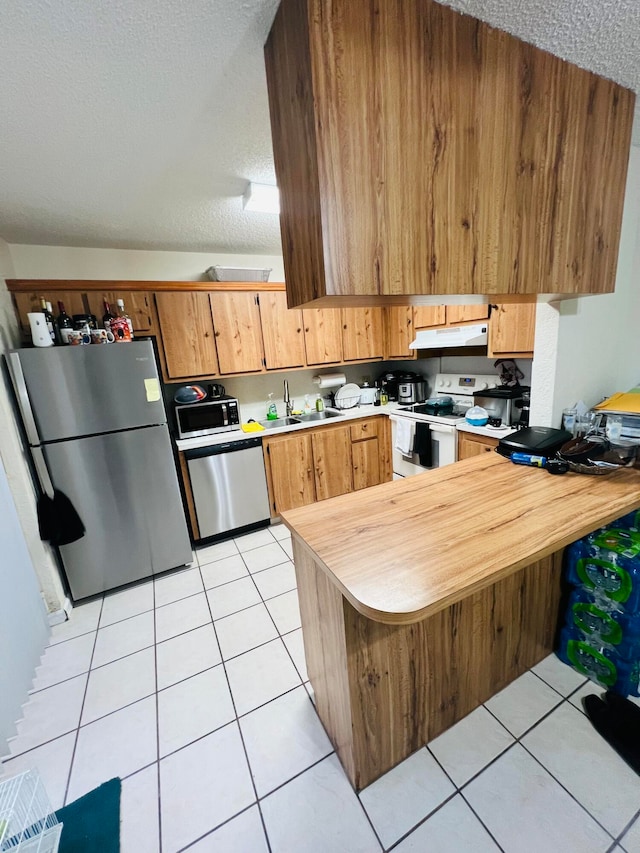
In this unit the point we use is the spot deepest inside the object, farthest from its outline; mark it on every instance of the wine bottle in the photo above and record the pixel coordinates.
(108, 316)
(123, 313)
(48, 318)
(63, 324)
(120, 329)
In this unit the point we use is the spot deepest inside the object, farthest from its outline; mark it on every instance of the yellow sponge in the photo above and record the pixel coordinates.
(254, 427)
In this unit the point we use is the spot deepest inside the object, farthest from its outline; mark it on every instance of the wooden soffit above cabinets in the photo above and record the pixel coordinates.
(423, 155)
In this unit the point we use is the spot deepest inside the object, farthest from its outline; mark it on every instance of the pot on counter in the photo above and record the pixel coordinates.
(412, 390)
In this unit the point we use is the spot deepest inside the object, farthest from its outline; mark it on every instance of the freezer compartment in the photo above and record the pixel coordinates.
(229, 486)
(85, 390)
(125, 488)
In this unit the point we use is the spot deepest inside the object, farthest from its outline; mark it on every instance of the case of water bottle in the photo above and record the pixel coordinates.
(601, 634)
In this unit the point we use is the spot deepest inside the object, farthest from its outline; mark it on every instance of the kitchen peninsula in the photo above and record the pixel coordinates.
(422, 598)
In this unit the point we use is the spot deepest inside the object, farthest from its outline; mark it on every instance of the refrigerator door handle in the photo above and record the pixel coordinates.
(20, 386)
(42, 471)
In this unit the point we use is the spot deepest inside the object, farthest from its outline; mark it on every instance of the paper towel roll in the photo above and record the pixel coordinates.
(329, 380)
(39, 331)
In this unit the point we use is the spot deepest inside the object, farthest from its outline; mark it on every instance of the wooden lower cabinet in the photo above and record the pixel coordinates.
(290, 474)
(470, 444)
(332, 461)
(314, 464)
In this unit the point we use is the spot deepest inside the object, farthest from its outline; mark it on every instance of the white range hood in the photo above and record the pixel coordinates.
(456, 336)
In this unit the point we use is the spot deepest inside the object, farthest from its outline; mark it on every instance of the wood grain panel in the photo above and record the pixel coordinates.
(287, 55)
(398, 331)
(322, 335)
(474, 445)
(367, 468)
(187, 334)
(332, 461)
(291, 474)
(188, 492)
(512, 330)
(321, 613)
(421, 151)
(26, 303)
(512, 515)
(383, 691)
(21, 285)
(426, 316)
(282, 332)
(461, 314)
(238, 334)
(137, 305)
(362, 333)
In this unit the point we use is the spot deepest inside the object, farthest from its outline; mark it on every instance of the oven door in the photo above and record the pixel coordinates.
(443, 451)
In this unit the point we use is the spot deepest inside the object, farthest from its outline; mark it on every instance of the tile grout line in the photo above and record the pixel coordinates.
(546, 769)
(633, 820)
(84, 697)
(237, 722)
(155, 661)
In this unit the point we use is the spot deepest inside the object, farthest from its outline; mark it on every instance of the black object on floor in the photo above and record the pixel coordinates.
(422, 444)
(92, 823)
(58, 521)
(618, 721)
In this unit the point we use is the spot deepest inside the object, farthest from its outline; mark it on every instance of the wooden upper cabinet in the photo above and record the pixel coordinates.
(362, 334)
(26, 303)
(398, 331)
(137, 304)
(461, 314)
(322, 335)
(421, 151)
(512, 330)
(236, 320)
(281, 332)
(187, 334)
(426, 316)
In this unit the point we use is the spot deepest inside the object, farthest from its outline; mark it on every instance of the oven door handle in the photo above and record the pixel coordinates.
(445, 429)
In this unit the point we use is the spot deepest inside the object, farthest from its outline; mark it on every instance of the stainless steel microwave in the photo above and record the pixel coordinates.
(208, 417)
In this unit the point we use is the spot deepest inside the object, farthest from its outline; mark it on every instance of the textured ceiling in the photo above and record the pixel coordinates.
(137, 123)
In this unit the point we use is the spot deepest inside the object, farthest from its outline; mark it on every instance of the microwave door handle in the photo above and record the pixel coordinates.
(22, 396)
(225, 415)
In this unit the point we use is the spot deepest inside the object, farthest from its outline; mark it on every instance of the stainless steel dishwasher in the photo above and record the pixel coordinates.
(229, 486)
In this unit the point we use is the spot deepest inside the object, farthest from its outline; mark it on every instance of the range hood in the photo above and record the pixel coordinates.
(455, 336)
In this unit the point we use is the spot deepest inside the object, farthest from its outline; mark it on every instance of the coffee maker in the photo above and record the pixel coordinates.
(505, 402)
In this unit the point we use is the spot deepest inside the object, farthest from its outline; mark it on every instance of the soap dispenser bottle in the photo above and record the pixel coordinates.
(272, 409)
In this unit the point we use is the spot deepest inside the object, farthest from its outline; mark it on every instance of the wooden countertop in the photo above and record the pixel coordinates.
(402, 551)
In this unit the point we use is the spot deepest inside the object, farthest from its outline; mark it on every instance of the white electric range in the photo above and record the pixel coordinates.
(422, 439)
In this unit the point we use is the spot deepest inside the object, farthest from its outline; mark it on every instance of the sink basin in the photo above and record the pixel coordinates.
(318, 416)
(280, 422)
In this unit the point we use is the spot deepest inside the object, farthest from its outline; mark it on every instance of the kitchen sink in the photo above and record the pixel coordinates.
(280, 422)
(318, 416)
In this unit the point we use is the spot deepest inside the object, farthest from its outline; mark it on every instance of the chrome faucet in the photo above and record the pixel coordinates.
(287, 400)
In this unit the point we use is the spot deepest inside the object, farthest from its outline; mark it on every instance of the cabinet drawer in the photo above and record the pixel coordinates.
(364, 429)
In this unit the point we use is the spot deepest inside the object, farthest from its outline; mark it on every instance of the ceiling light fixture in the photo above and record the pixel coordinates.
(262, 198)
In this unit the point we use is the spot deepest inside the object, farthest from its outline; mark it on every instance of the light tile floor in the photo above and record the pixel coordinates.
(193, 689)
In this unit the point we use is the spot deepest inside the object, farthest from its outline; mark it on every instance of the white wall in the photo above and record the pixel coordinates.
(23, 625)
(129, 264)
(12, 453)
(589, 348)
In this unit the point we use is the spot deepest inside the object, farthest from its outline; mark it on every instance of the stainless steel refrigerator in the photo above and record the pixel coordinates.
(97, 429)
